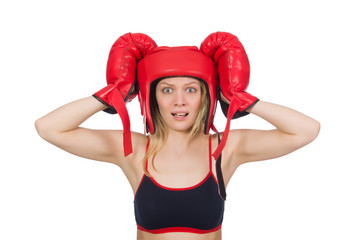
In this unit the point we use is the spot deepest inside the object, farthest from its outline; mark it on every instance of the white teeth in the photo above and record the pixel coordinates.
(180, 114)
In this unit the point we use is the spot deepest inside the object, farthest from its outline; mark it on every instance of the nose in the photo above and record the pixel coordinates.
(180, 98)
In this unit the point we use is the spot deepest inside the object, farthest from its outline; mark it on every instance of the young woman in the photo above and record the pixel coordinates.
(178, 185)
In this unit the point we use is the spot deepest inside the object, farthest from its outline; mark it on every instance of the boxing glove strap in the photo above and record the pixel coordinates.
(234, 106)
(120, 106)
(214, 128)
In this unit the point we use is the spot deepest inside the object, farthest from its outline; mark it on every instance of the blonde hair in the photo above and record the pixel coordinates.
(158, 139)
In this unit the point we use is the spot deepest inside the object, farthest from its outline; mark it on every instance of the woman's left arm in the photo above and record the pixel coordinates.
(293, 131)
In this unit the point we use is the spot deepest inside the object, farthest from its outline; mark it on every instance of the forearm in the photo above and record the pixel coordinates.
(69, 116)
(286, 120)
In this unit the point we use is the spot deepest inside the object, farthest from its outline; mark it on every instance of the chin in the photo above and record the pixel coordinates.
(181, 128)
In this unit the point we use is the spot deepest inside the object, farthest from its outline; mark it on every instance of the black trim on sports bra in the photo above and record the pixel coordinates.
(219, 175)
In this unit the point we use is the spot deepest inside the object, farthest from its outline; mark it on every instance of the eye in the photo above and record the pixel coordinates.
(190, 90)
(167, 90)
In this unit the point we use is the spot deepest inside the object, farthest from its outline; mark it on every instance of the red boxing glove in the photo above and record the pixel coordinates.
(234, 71)
(121, 78)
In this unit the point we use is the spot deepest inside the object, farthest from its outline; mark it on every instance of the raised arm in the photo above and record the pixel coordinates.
(61, 127)
(293, 131)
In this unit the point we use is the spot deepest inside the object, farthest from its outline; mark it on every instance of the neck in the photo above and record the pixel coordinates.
(180, 140)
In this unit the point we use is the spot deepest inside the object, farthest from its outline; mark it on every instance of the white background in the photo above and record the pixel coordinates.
(304, 54)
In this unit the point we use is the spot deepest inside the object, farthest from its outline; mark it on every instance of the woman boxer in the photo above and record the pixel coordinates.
(177, 172)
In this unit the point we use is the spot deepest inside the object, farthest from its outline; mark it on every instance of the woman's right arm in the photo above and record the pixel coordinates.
(61, 128)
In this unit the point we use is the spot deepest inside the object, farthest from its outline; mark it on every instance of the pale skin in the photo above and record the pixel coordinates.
(180, 163)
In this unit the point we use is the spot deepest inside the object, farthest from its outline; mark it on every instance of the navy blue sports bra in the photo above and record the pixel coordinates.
(196, 209)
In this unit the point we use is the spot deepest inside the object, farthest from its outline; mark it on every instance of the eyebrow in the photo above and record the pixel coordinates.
(165, 83)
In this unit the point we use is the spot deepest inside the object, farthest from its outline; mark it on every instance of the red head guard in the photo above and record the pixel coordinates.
(162, 62)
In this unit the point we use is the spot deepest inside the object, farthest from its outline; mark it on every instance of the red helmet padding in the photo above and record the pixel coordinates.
(162, 62)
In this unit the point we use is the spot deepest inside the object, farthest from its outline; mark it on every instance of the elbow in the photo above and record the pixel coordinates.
(305, 136)
(42, 129)
(315, 130)
(39, 127)
(312, 132)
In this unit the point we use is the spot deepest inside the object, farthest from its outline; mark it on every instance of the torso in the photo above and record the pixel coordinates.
(194, 163)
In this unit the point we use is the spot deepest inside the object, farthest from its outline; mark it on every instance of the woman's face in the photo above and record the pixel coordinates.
(179, 100)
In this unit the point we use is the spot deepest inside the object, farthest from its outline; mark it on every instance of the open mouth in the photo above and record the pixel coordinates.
(179, 114)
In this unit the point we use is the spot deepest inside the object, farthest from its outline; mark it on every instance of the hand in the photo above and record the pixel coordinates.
(234, 71)
(125, 53)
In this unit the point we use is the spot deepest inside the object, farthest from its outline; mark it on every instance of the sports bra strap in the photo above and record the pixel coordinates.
(148, 143)
(210, 155)
(220, 177)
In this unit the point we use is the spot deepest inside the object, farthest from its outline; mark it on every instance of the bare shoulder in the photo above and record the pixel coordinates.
(132, 166)
(102, 145)
(249, 145)
(228, 165)
(234, 139)
(246, 145)
(139, 142)
(237, 148)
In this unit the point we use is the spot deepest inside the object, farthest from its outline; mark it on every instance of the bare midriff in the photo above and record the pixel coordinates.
(142, 235)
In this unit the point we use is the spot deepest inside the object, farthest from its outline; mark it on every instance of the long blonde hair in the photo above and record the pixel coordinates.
(158, 139)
